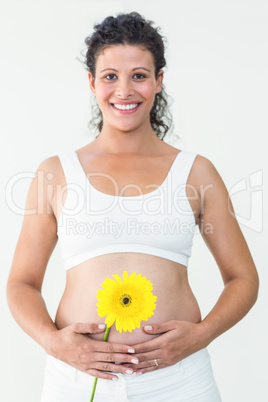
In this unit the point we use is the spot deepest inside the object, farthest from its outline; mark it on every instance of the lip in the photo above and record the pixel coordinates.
(126, 103)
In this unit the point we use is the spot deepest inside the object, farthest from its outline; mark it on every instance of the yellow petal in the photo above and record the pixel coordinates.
(126, 317)
(110, 319)
(117, 278)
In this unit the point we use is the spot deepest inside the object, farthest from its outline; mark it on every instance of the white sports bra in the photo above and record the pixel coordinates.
(159, 223)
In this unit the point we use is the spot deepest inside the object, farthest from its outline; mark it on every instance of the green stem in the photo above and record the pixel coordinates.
(106, 334)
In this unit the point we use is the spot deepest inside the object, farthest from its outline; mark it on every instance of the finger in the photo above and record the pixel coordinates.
(88, 328)
(115, 357)
(148, 355)
(148, 346)
(149, 369)
(109, 347)
(117, 368)
(145, 364)
(160, 328)
(102, 374)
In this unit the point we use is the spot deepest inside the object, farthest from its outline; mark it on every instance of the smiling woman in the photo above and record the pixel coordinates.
(141, 199)
(125, 72)
(143, 35)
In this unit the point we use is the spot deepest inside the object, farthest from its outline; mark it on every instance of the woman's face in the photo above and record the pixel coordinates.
(125, 86)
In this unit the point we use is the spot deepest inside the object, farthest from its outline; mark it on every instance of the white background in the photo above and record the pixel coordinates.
(217, 76)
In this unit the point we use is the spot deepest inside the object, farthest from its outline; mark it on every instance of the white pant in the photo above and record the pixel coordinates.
(189, 380)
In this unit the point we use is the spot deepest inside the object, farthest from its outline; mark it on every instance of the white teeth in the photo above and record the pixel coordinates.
(126, 107)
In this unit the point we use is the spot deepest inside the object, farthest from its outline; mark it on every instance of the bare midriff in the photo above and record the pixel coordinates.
(175, 300)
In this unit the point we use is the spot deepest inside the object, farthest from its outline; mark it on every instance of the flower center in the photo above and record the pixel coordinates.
(125, 300)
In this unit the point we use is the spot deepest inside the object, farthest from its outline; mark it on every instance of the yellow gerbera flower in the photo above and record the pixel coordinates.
(126, 302)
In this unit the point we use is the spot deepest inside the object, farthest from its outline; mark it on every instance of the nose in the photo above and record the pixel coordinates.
(124, 89)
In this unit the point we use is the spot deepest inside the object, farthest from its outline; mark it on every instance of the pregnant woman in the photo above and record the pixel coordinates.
(128, 201)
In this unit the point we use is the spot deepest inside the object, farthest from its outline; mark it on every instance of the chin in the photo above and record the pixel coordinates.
(126, 129)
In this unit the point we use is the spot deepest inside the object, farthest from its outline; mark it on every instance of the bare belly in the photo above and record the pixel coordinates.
(175, 300)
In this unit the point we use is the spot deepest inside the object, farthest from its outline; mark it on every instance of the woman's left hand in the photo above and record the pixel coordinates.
(176, 340)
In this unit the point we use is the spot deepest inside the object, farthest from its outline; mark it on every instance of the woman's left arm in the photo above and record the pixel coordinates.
(222, 234)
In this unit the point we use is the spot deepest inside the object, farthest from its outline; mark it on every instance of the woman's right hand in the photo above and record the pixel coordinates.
(73, 346)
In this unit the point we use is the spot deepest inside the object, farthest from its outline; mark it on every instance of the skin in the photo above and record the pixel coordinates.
(177, 329)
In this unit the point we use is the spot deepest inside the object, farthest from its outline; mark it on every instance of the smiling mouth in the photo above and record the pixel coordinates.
(128, 107)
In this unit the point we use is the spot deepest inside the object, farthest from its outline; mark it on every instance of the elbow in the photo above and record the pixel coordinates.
(16, 290)
(256, 287)
(11, 291)
(252, 284)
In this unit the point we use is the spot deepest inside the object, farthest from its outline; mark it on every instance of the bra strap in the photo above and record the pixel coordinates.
(181, 169)
(72, 170)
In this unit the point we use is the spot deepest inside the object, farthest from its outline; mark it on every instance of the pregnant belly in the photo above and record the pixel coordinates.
(175, 300)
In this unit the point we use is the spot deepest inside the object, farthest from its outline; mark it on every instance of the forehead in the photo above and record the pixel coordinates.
(120, 56)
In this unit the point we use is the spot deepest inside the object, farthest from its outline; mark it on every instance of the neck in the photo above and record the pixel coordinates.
(132, 142)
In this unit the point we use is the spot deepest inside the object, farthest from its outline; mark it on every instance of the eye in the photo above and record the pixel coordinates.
(139, 76)
(110, 77)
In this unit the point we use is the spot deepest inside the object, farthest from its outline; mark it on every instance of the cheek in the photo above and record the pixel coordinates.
(103, 93)
(149, 91)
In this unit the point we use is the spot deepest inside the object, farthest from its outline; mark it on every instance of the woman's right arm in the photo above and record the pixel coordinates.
(35, 245)
(37, 240)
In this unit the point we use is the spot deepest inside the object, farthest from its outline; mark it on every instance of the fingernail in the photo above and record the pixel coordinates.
(115, 378)
(129, 371)
(139, 373)
(131, 351)
(135, 361)
(101, 326)
(148, 327)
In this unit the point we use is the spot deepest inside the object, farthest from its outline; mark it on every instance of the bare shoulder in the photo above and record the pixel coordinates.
(50, 173)
(203, 166)
(48, 180)
(204, 172)
(51, 167)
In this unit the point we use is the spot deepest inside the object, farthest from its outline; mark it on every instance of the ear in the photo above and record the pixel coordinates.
(159, 81)
(91, 82)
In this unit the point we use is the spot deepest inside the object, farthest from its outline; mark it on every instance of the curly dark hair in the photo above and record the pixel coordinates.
(130, 29)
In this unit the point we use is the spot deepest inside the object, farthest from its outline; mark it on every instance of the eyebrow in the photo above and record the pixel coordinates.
(136, 68)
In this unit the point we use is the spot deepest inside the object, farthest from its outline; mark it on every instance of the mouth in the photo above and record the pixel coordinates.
(127, 108)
